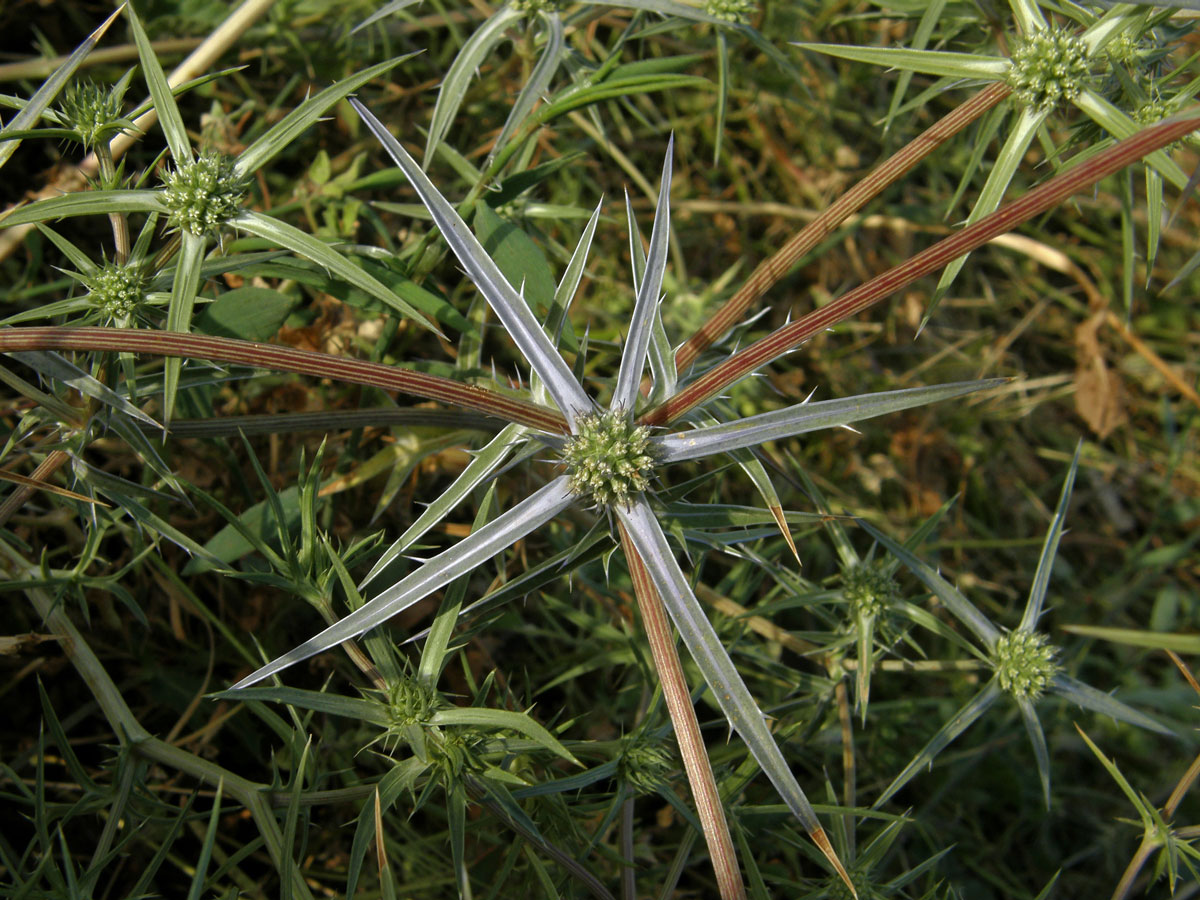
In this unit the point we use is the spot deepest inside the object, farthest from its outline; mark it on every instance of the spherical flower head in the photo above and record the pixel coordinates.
(609, 458)
(116, 291)
(645, 764)
(1049, 66)
(736, 12)
(837, 889)
(204, 194)
(92, 112)
(868, 590)
(1024, 662)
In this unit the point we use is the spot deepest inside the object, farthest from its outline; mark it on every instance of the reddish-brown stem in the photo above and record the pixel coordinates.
(286, 359)
(883, 175)
(1035, 202)
(47, 467)
(687, 728)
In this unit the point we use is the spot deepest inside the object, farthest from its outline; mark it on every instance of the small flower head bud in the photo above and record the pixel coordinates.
(93, 113)
(409, 702)
(644, 763)
(204, 194)
(117, 291)
(869, 591)
(1049, 66)
(532, 7)
(1024, 662)
(609, 458)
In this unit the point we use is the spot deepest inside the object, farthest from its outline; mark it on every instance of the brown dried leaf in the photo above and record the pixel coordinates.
(1099, 391)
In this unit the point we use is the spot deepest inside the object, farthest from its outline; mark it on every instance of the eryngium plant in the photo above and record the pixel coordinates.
(610, 465)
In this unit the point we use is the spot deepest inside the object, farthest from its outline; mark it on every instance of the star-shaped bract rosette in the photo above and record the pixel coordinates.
(611, 464)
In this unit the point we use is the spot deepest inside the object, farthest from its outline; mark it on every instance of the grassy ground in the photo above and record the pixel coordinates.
(89, 811)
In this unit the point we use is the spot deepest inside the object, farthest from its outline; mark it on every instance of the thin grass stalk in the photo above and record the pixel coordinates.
(882, 176)
(285, 359)
(687, 728)
(1037, 201)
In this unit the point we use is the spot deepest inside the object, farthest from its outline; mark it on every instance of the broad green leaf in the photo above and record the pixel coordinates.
(288, 129)
(160, 92)
(45, 95)
(468, 553)
(323, 254)
(249, 313)
(519, 259)
(931, 62)
(804, 417)
(229, 544)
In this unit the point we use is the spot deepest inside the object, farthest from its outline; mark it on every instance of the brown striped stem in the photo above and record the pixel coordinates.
(886, 173)
(687, 729)
(286, 359)
(1037, 201)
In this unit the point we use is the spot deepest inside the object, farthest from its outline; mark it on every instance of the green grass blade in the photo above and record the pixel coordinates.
(179, 312)
(959, 722)
(1041, 578)
(323, 254)
(534, 89)
(53, 366)
(196, 891)
(474, 52)
(304, 116)
(160, 92)
(931, 62)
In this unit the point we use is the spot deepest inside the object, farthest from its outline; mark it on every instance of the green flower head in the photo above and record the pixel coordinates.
(868, 590)
(204, 194)
(1049, 66)
(116, 291)
(1024, 662)
(608, 459)
(93, 113)
(736, 12)
(645, 763)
